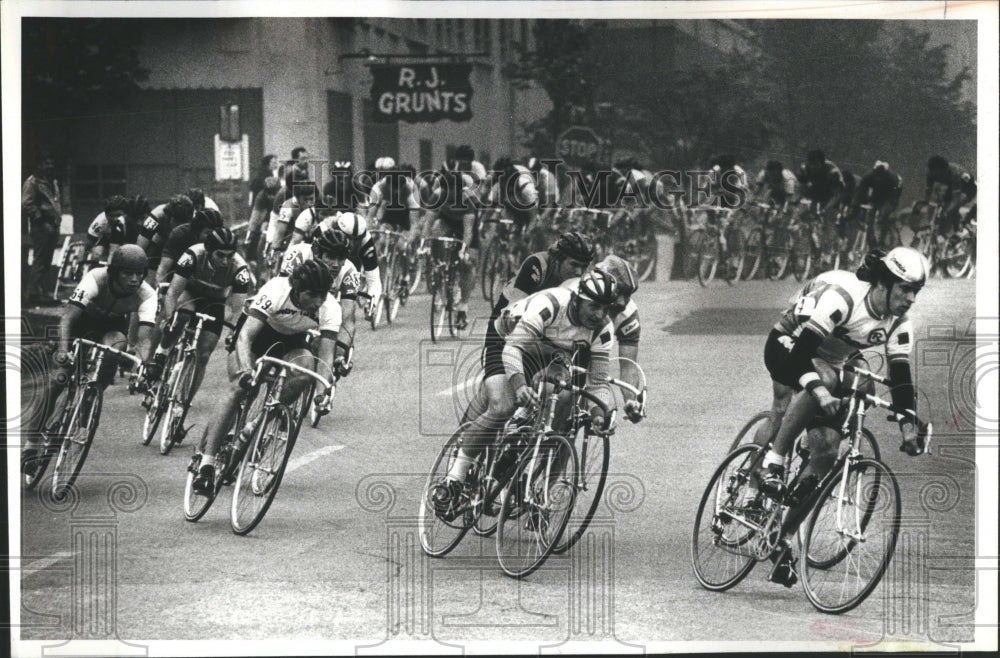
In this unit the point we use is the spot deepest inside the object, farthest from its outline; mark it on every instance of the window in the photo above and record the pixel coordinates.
(98, 182)
(460, 34)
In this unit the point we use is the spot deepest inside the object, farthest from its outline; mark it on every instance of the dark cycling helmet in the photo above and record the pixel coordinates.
(130, 258)
(573, 245)
(937, 162)
(331, 241)
(621, 272)
(197, 197)
(220, 238)
(465, 153)
(180, 209)
(207, 218)
(774, 165)
(599, 287)
(816, 155)
(312, 276)
(116, 203)
(137, 207)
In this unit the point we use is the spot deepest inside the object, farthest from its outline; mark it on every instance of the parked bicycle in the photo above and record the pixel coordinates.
(849, 532)
(69, 431)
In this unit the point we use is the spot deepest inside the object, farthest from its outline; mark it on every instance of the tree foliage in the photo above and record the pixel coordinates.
(69, 65)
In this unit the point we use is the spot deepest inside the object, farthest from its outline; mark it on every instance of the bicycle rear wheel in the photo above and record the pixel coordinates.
(495, 270)
(262, 469)
(708, 259)
(440, 533)
(439, 307)
(850, 536)
(779, 252)
(594, 451)
(536, 507)
(78, 437)
(752, 255)
(179, 395)
(801, 256)
(721, 546)
(735, 255)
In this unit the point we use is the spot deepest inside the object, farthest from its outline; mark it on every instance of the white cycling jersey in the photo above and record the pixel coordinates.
(93, 295)
(273, 305)
(345, 284)
(835, 305)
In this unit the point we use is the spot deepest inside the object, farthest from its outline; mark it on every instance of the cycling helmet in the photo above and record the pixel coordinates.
(905, 264)
(879, 164)
(774, 165)
(220, 238)
(621, 272)
(137, 207)
(116, 203)
(332, 241)
(207, 218)
(385, 163)
(534, 164)
(354, 226)
(573, 245)
(180, 209)
(477, 170)
(197, 197)
(341, 165)
(130, 258)
(312, 276)
(937, 162)
(599, 287)
(816, 155)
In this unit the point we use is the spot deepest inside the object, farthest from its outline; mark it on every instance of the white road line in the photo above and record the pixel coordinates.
(472, 381)
(299, 462)
(44, 563)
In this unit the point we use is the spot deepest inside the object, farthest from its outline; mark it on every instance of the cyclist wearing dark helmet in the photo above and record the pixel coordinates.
(955, 187)
(821, 180)
(110, 228)
(276, 323)
(183, 237)
(99, 310)
(200, 201)
(826, 325)
(777, 184)
(554, 324)
(161, 220)
(210, 278)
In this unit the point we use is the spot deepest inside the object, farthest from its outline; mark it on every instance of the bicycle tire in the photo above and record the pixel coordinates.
(525, 533)
(744, 432)
(436, 301)
(753, 254)
(741, 560)
(196, 505)
(49, 447)
(594, 453)
(694, 240)
(957, 258)
(179, 404)
(736, 247)
(708, 259)
(268, 454)
(829, 594)
(72, 453)
(779, 252)
(496, 271)
(430, 526)
(801, 256)
(647, 253)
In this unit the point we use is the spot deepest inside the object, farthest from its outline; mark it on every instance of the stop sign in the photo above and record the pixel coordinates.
(576, 145)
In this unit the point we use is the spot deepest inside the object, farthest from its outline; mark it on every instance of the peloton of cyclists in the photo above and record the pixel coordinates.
(881, 187)
(956, 188)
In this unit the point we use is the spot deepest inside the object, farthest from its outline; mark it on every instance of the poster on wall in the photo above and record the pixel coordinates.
(421, 93)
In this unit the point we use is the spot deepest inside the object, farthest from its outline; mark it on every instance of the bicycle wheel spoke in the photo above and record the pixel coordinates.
(262, 468)
(441, 532)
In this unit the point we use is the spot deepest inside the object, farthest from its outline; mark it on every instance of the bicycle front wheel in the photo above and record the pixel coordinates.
(752, 254)
(801, 256)
(76, 441)
(850, 536)
(179, 396)
(53, 434)
(594, 451)
(440, 313)
(708, 259)
(262, 468)
(440, 532)
(779, 252)
(735, 255)
(536, 507)
(722, 544)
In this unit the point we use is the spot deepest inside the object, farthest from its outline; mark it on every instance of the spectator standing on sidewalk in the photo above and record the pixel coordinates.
(41, 211)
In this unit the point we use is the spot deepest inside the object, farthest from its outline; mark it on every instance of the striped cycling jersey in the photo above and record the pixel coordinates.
(205, 281)
(626, 324)
(346, 283)
(835, 305)
(93, 295)
(273, 305)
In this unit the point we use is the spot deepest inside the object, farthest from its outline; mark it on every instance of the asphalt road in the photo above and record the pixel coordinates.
(336, 558)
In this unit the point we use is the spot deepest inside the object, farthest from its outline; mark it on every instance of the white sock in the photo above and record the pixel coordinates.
(461, 467)
(208, 460)
(772, 458)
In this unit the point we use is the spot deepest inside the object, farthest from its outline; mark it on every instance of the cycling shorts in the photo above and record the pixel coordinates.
(778, 362)
(211, 307)
(95, 329)
(268, 341)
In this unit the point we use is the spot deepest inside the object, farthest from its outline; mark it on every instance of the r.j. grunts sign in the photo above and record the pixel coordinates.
(420, 93)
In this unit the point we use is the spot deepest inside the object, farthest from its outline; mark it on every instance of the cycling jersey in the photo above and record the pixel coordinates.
(538, 328)
(835, 306)
(156, 224)
(120, 231)
(548, 188)
(519, 195)
(208, 283)
(820, 181)
(537, 272)
(93, 295)
(273, 306)
(954, 178)
(454, 195)
(305, 221)
(781, 187)
(626, 324)
(878, 187)
(394, 203)
(179, 240)
(364, 254)
(345, 285)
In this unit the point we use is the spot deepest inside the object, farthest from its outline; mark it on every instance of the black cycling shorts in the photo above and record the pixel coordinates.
(269, 341)
(777, 359)
(398, 219)
(209, 307)
(91, 328)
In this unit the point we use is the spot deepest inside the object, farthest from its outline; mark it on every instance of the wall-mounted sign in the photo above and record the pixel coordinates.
(232, 159)
(422, 93)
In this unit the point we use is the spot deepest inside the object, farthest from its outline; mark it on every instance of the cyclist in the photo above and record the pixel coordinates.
(333, 247)
(363, 254)
(567, 259)
(732, 185)
(339, 193)
(183, 237)
(550, 324)
(302, 205)
(513, 190)
(456, 202)
(259, 214)
(625, 319)
(99, 310)
(821, 180)
(881, 187)
(209, 277)
(828, 322)
(777, 184)
(161, 220)
(394, 201)
(110, 228)
(957, 188)
(276, 324)
(200, 201)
